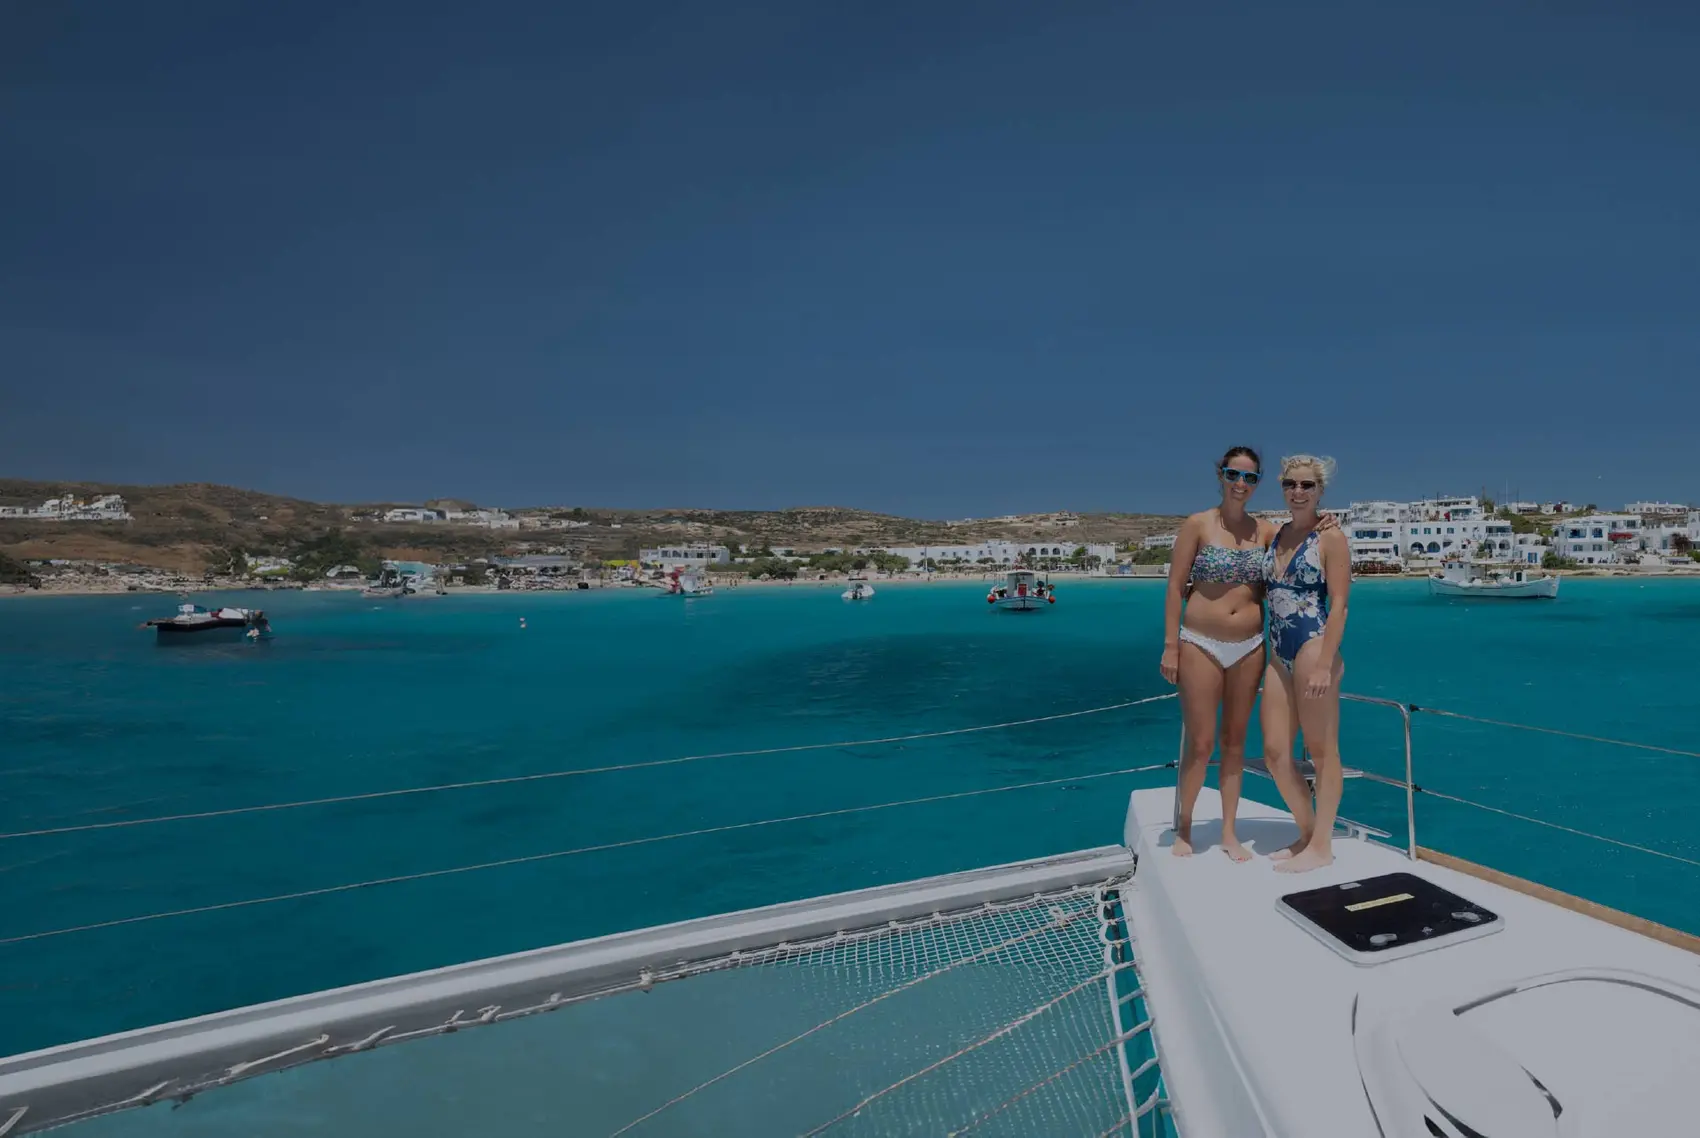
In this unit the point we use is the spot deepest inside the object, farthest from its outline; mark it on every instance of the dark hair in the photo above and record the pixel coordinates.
(1237, 452)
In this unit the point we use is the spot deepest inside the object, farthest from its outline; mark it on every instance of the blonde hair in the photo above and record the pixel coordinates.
(1323, 466)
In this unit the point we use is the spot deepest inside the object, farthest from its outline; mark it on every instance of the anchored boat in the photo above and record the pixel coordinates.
(1022, 591)
(196, 624)
(858, 591)
(1465, 579)
(685, 583)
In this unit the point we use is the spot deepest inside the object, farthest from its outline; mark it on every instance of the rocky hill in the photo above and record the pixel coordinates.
(183, 527)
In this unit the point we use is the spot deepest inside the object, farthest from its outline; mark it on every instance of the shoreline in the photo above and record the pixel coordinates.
(1063, 580)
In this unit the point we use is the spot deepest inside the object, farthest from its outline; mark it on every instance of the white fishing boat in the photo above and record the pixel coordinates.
(1022, 591)
(1116, 990)
(858, 591)
(1505, 582)
(194, 624)
(687, 583)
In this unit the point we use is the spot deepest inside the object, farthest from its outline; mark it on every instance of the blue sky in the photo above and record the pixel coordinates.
(940, 259)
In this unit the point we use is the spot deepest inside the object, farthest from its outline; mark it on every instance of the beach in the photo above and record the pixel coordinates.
(97, 588)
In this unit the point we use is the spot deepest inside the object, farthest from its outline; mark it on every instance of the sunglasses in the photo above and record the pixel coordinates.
(1297, 484)
(1249, 477)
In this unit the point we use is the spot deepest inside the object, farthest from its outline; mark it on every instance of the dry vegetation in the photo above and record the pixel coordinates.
(180, 527)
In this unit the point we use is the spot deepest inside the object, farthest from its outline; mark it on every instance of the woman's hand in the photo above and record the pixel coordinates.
(1327, 522)
(1321, 680)
(1171, 665)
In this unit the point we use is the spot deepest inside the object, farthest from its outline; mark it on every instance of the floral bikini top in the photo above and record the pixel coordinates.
(1217, 564)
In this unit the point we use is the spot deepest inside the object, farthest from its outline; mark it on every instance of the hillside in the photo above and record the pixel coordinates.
(180, 527)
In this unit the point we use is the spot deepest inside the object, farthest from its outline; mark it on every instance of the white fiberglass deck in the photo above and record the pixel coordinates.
(1263, 1030)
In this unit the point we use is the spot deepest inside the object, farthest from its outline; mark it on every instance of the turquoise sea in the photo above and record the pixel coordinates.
(97, 724)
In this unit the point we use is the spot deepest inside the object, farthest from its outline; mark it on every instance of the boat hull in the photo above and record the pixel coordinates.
(1543, 588)
(1022, 604)
(208, 632)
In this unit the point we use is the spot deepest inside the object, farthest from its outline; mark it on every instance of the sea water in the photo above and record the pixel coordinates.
(356, 695)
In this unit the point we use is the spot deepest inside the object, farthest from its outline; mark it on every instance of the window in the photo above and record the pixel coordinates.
(1427, 530)
(1449, 529)
(1599, 532)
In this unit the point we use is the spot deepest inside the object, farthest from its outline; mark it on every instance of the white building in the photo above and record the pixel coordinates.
(1661, 538)
(1382, 531)
(1529, 548)
(1372, 532)
(489, 519)
(1521, 507)
(413, 514)
(696, 555)
(1599, 539)
(544, 521)
(1377, 511)
(1002, 553)
(1672, 539)
(103, 508)
(1645, 508)
(1441, 527)
(1158, 541)
(1374, 543)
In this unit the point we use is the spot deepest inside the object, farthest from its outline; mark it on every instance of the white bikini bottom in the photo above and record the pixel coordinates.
(1226, 653)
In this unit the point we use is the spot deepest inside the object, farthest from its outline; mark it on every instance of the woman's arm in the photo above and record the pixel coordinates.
(1180, 571)
(1337, 571)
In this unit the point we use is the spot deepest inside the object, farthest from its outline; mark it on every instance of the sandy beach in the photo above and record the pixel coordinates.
(86, 587)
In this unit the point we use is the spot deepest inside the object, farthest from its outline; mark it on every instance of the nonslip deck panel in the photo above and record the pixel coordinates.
(1387, 916)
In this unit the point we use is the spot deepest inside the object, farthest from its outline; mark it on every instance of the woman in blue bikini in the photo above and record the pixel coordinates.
(1308, 574)
(1216, 653)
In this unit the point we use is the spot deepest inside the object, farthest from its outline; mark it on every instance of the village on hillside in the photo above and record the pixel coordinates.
(178, 537)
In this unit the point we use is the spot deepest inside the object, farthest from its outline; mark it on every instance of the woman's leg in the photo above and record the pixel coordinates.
(1201, 694)
(1239, 694)
(1320, 720)
(1280, 725)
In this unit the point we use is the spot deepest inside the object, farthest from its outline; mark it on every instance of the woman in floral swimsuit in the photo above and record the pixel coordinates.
(1214, 652)
(1307, 573)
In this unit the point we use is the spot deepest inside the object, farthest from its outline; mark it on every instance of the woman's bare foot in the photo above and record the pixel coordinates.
(1305, 861)
(1288, 851)
(1235, 851)
(1181, 848)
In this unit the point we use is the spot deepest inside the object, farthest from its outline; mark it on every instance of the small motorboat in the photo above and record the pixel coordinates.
(858, 591)
(1022, 591)
(681, 583)
(1511, 583)
(194, 624)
